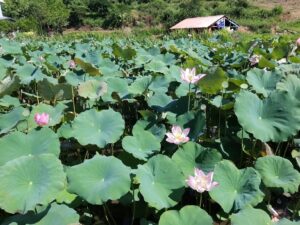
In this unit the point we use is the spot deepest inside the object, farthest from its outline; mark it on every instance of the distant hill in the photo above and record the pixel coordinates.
(291, 8)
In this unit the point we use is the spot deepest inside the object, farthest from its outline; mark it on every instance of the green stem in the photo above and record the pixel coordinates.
(133, 208)
(278, 148)
(200, 200)
(105, 215)
(73, 101)
(109, 214)
(189, 94)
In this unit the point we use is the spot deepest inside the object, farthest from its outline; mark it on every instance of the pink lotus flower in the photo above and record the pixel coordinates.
(201, 182)
(41, 119)
(178, 135)
(189, 75)
(254, 59)
(298, 42)
(72, 64)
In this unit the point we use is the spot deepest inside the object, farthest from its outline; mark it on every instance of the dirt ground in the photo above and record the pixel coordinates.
(291, 7)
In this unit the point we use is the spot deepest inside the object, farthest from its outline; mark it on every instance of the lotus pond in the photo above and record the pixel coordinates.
(173, 132)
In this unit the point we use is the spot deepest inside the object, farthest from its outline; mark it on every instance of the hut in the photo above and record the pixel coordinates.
(207, 23)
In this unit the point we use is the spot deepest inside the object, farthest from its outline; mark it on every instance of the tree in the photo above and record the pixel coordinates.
(47, 14)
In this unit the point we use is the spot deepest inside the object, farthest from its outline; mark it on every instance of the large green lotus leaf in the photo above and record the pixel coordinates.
(191, 215)
(263, 82)
(212, 82)
(159, 101)
(11, 119)
(192, 155)
(140, 85)
(278, 172)
(291, 85)
(98, 128)
(55, 114)
(127, 53)
(157, 66)
(285, 221)
(30, 180)
(99, 179)
(87, 67)
(118, 85)
(92, 89)
(161, 182)
(195, 120)
(251, 216)
(157, 129)
(57, 92)
(36, 142)
(265, 63)
(281, 51)
(159, 84)
(241, 187)
(275, 118)
(142, 144)
(29, 72)
(54, 214)
(7, 101)
(8, 85)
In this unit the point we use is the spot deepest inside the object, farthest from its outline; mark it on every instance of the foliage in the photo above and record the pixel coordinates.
(104, 158)
(43, 16)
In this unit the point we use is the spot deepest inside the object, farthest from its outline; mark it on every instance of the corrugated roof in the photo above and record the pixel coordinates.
(197, 22)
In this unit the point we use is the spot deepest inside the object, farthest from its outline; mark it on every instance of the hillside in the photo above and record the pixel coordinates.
(291, 8)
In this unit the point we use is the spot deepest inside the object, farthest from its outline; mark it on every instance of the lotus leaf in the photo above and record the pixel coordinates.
(275, 118)
(250, 216)
(192, 155)
(54, 214)
(99, 179)
(30, 180)
(278, 172)
(161, 182)
(11, 119)
(18, 144)
(263, 82)
(191, 215)
(98, 128)
(92, 89)
(142, 144)
(241, 187)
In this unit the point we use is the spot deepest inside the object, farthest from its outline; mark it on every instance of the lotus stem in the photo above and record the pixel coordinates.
(109, 214)
(73, 101)
(105, 215)
(200, 200)
(189, 94)
(133, 208)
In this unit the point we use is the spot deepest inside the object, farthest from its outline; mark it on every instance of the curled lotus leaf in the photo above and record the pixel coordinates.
(278, 172)
(241, 187)
(272, 119)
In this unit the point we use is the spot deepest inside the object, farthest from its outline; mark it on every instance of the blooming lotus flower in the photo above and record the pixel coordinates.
(72, 64)
(254, 59)
(189, 75)
(41, 119)
(298, 42)
(178, 136)
(201, 182)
